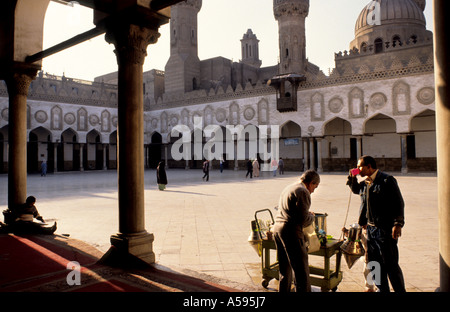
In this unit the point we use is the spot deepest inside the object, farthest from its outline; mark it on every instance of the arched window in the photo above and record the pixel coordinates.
(396, 41)
(363, 47)
(194, 83)
(413, 39)
(378, 45)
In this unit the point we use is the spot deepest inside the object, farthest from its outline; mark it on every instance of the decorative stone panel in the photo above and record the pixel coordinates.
(185, 117)
(208, 116)
(69, 118)
(82, 120)
(106, 121)
(249, 113)
(263, 112)
(94, 120)
(377, 101)
(221, 115)
(164, 122)
(336, 104)
(317, 107)
(401, 98)
(56, 118)
(356, 103)
(40, 116)
(5, 114)
(426, 96)
(234, 114)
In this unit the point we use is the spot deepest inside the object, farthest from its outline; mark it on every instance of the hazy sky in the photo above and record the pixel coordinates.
(221, 26)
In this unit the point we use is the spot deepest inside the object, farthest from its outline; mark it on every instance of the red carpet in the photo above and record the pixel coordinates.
(39, 264)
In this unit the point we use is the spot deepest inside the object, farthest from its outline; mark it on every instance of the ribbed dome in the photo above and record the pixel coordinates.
(392, 12)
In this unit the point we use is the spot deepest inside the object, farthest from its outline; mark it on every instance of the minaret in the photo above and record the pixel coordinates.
(291, 15)
(250, 49)
(182, 72)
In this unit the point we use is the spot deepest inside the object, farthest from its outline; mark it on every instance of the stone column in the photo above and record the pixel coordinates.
(81, 157)
(236, 162)
(55, 157)
(319, 155)
(146, 155)
(305, 155)
(166, 163)
(18, 82)
(358, 147)
(442, 85)
(404, 153)
(311, 153)
(105, 167)
(132, 243)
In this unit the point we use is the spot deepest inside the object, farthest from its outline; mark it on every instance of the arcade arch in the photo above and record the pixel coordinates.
(382, 142)
(421, 141)
(340, 148)
(69, 151)
(291, 147)
(93, 157)
(39, 148)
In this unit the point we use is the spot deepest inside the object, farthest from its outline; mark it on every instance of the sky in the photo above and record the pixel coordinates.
(221, 25)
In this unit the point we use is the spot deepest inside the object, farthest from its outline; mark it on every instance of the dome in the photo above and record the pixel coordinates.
(392, 12)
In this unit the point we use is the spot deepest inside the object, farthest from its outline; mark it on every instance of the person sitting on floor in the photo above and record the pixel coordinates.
(24, 221)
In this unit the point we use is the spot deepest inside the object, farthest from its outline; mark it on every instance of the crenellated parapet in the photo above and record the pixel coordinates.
(387, 46)
(351, 74)
(218, 94)
(52, 88)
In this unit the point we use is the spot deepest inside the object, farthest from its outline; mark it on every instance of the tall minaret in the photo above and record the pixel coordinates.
(291, 15)
(250, 49)
(182, 72)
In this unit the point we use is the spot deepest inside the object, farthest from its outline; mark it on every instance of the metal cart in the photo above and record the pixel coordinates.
(325, 277)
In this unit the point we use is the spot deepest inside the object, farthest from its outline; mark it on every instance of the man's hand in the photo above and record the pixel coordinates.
(396, 231)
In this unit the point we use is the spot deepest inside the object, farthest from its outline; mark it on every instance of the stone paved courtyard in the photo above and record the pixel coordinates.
(204, 226)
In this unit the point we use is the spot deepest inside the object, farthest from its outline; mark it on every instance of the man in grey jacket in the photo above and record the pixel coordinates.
(293, 215)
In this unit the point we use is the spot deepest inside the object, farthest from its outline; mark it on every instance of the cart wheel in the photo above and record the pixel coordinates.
(265, 283)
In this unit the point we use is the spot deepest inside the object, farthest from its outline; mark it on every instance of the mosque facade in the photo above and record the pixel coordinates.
(378, 100)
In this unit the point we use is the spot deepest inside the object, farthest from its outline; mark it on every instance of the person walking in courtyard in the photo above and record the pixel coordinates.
(43, 168)
(161, 176)
(206, 170)
(281, 166)
(255, 165)
(249, 169)
(382, 214)
(274, 166)
(293, 215)
(221, 164)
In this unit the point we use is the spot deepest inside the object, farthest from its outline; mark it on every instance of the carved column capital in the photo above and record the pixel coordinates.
(19, 78)
(131, 42)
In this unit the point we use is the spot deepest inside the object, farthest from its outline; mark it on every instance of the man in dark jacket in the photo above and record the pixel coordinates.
(382, 212)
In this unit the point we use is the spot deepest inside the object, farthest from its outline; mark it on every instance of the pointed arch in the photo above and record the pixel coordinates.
(290, 129)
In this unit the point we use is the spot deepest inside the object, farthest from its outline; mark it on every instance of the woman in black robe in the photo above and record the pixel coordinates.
(161, 176)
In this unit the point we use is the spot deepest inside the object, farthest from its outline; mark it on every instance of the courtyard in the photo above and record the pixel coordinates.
(203, 226)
